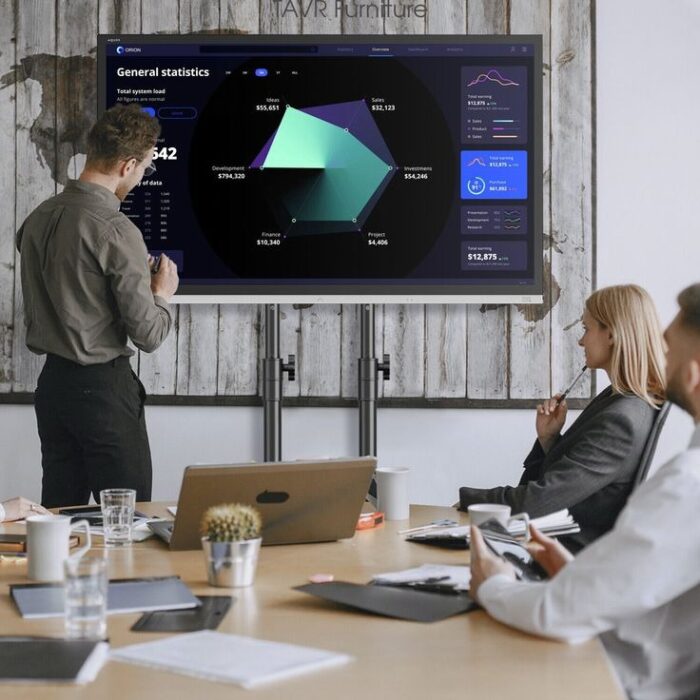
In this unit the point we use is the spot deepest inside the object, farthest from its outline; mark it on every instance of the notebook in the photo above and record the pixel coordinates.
(123, 596)
(229, 658)
(41, 659)
(555, 525)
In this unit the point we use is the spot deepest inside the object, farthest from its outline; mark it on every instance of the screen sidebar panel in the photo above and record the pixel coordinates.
(339, 165)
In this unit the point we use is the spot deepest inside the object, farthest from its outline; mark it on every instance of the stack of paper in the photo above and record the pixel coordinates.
(555, 524)
(228, 658)
(457, 576)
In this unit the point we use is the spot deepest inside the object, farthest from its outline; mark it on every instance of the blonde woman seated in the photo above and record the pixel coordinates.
(20, 508)
(590, 468)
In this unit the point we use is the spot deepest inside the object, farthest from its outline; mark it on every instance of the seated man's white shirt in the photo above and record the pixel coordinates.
(637, 586)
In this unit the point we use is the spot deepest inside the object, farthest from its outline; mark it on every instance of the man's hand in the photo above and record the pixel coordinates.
(484, 563)
(547, 552)
(21, 508)
(550, 420)
(164, 282)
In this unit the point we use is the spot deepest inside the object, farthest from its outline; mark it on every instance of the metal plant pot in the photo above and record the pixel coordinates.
(231, 564)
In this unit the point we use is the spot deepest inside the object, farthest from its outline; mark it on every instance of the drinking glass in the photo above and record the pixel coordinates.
(86, 598)
(117, 515)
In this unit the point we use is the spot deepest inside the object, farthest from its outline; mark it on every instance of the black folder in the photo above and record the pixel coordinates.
(402, 603)
(42, 659)
(207, 616)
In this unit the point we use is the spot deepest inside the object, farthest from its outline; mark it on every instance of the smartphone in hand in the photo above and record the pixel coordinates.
(503, 544)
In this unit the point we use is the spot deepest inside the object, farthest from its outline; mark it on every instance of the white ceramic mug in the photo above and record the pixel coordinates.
(392, 492)
(48, 545)
(481, 512)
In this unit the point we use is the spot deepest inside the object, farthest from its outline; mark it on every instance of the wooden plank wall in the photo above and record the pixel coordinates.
(442, 355)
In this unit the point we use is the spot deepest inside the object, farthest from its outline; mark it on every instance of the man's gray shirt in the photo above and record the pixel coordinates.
(85, 279)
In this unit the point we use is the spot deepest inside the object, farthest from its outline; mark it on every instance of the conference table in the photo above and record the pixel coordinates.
(466, 656)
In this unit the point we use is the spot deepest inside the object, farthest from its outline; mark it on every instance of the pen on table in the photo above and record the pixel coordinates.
(572, 385)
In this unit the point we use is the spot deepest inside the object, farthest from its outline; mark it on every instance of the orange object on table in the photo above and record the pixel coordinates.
(369, 520)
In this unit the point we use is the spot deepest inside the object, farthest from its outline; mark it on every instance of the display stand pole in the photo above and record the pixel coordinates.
(367, 369)
(272, 370)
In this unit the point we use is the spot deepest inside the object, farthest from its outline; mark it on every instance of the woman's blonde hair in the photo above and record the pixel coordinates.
(637, 366)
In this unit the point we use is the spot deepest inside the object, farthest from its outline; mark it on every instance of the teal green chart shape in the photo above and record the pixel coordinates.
(348, 173)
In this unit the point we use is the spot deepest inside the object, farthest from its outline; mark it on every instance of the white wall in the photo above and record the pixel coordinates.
(648, 233)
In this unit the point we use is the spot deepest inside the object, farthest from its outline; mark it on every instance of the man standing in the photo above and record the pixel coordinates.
(639, 585)
(88, 287)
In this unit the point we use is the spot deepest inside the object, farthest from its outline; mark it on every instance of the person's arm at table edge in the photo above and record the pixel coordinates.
(617, 577)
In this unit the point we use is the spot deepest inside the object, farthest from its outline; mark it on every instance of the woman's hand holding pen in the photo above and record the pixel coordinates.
(551, 416)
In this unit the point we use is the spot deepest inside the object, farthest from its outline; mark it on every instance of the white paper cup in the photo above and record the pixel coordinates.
(481, 512)
(392, 492)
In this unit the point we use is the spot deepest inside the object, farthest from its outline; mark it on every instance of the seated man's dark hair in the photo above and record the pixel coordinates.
(689, 301)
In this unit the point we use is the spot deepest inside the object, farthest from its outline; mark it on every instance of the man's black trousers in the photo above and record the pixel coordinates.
(92, 430)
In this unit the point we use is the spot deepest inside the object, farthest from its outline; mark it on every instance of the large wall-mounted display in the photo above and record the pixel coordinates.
(339, 168)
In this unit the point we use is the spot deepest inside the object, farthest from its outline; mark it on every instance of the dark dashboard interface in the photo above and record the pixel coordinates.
(335, 167)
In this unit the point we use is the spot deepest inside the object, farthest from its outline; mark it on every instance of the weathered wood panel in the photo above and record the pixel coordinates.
(239, 325)
(198, 16)
(530, 326)
(404, 342)
(119, 16)
(317, 19)
(487, 16)
(197, 350)
(36, 153)
(319, 351)
(275, 19)
(445, 351)
(487, 327)
(8, 91)
(447, 17)
(240, 16)
(572, 121)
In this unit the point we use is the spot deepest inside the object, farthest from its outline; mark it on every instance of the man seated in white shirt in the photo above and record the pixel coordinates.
(20, 508)
(638, 586)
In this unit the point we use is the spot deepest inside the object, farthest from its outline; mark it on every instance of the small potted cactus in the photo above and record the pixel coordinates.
(231, 543)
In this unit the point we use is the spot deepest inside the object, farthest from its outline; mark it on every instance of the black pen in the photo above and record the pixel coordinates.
(572, 385)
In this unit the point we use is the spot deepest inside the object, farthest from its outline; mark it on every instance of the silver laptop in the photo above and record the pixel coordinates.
(314, 501)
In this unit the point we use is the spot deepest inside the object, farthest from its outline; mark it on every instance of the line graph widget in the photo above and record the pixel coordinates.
(493, 175)
(494, 104)
(480, 220)
(328, 164)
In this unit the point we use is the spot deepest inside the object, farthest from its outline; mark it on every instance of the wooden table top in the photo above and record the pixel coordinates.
(465, 656)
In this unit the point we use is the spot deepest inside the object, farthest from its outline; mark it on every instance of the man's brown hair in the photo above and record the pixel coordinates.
(689, 301)
(122, 132)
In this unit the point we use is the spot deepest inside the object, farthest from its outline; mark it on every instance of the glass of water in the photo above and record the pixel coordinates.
(117, 515)
(86, 598)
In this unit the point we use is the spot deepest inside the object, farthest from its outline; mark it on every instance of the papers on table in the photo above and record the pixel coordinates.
(457, 576)
(229, 658)
(555, 524)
